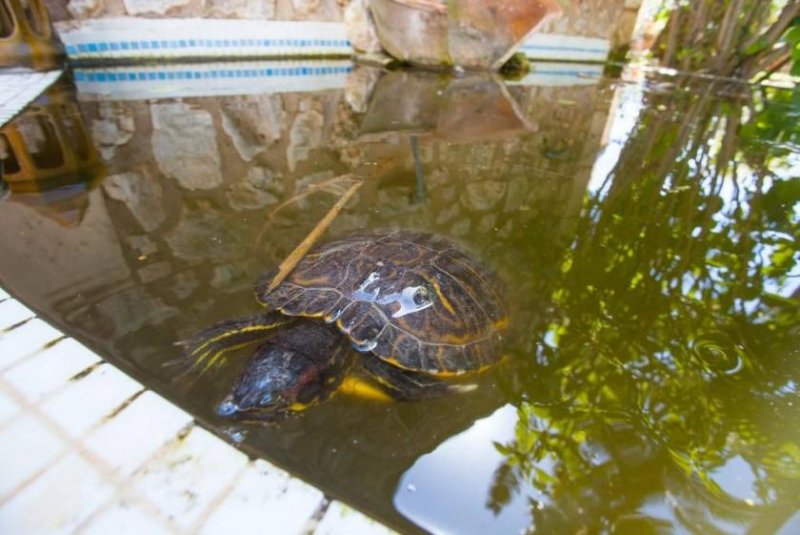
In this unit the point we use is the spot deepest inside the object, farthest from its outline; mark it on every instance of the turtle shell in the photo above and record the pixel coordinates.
(415, 300)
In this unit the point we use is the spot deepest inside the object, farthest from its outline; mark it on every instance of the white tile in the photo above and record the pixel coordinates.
(8, 408)
(124, 518)
(26, 446)
(44, 372)
(136, 433)
(265, 496)
(85, 401)
(24, 88)
(58, 501)
(24, 340)
(188, 474)
(340, 519)
(12, 312)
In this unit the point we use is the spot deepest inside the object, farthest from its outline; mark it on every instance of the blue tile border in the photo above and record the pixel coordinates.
(184, 44)
(198, 74)
(132, 38)
(561, 48)
(335, 45)
(571, 73)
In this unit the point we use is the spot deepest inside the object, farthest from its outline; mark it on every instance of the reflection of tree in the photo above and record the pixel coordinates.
(672, 348)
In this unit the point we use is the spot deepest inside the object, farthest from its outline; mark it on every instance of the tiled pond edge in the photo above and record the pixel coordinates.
(85, 448)
(133, 38)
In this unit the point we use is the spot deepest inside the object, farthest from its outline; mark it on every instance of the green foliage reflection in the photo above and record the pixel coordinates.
(673, 349)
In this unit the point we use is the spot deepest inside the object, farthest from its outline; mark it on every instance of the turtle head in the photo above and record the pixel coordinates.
(275, 383)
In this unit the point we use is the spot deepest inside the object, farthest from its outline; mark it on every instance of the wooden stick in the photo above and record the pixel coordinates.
(325, 185)
(300, 251)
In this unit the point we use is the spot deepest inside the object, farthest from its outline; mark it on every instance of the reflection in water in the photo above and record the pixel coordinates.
(654, 367)
(431, 477)
(673, 337)
(464, 109)
(27, 37)
(47, 158)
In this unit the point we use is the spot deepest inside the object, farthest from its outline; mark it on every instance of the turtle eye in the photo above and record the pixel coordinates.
(265, 400)
(423, 296)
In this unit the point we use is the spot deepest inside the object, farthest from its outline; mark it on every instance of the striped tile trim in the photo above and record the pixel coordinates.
(140, 75)
(566, 47)
(561, 74)
(135, 38)
(213, 79)
(210, 79)
(267, 44)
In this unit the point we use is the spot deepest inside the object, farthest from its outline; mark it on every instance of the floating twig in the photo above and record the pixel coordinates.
(300, 251)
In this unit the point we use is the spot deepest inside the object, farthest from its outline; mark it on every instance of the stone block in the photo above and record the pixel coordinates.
(152, 7)
(185, 145)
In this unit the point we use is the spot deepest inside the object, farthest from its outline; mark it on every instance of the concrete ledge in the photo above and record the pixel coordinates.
(138, 39)
(86, 449)
(556, 47)
(181, 39)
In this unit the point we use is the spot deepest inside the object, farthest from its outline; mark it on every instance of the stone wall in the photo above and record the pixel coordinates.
(307, 10)
(612, 19)
(606, 19)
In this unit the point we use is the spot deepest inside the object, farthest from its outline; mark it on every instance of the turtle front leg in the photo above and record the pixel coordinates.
(406, 385)
(213, 344)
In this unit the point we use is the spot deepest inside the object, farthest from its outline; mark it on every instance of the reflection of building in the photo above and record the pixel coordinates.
(58, 240)
(27, 37)
(48, 159)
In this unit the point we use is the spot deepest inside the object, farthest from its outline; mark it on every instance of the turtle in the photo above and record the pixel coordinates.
(406, 310)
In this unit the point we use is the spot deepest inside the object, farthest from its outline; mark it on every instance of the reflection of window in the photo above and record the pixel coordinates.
(35, 15)
(41, 141)
(6, 22)
(76, 136)
(7, 156)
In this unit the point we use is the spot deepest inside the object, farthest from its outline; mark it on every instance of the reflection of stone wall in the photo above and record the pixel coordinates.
(203, 194)
(204, 213)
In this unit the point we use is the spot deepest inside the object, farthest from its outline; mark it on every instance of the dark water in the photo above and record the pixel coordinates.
(646, 229)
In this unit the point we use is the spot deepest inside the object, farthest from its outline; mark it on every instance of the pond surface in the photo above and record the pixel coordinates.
(646, 229)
